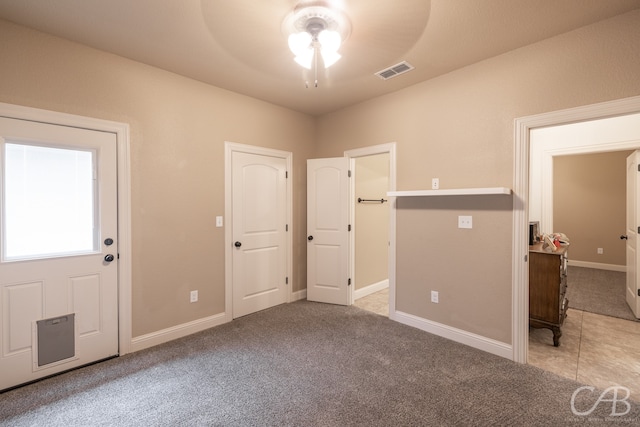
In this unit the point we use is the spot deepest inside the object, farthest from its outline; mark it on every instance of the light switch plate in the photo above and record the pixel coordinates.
(435, 297)
(218, 221)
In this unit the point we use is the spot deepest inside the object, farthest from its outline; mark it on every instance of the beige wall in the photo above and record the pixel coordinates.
(178, 129)
(371, 220)
(459, 127)
(470, 269)
(589, 205)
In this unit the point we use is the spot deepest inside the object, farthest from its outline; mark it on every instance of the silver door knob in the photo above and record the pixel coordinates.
(109, 258)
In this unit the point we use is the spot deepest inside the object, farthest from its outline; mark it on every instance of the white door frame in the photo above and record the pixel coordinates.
(389, 148)
(229, 149)
(520, 271)
(121, 130)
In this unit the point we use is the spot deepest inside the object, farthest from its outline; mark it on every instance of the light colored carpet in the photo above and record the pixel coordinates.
(305, 364)
(598, 291)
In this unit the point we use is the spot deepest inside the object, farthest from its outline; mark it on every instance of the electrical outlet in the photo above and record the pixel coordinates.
(435, 184)
(434, 297)
(465, 221)
(194, 296)
(600, 251)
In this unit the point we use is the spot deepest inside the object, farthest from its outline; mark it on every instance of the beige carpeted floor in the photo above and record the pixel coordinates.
(307, 364)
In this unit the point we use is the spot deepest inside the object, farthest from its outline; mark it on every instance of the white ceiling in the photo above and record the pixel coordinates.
(239, 45)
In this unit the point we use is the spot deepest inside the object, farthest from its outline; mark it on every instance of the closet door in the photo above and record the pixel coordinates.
(633, 212)
(328, 230)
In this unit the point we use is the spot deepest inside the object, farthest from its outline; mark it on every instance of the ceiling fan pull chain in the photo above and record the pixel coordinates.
(315, 60)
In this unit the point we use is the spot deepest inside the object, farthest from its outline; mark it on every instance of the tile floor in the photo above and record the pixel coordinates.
(596, 350)
(377, 302)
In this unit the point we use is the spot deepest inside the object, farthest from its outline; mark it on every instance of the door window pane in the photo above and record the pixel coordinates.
(49, 196)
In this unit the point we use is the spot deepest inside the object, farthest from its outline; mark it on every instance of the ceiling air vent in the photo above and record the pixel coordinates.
(395, 70)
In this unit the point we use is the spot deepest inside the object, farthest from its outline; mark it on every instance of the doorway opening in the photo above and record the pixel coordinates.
(581, 168)
(534, 186)
(373, 170)
(523, 196)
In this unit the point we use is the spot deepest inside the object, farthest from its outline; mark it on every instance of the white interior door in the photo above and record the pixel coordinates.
(633, 186)
(58, 255)
(328, 230)
(259, 202)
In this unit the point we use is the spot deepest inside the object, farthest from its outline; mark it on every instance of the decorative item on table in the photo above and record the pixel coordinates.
(553, 241)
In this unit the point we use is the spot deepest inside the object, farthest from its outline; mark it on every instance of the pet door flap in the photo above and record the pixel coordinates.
(56, 339)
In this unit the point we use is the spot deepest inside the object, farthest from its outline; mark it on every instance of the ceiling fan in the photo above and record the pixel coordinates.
(356, 37)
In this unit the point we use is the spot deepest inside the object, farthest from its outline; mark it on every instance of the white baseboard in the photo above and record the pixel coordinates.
(179, 331)
(598, 265)
(297, 296)
(458, 335)
(370, 289)
(175, 332)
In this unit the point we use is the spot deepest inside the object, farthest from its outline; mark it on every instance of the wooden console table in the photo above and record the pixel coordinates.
(547, 289)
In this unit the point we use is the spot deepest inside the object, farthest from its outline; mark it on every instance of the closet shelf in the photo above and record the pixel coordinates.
(451, 192)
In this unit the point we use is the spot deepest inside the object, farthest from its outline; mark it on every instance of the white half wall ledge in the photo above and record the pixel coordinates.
(452, 192)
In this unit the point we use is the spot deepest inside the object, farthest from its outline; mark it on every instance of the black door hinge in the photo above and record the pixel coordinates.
(349, 172)
(349, 282)
(286, 227)
(286, 174)
(349, 227)
(286, 281)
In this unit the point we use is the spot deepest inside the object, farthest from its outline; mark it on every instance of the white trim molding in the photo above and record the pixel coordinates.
(370, 289)
(454, 334)
(598, 265)
(520, 271)
(175, 332)
(121, 130)
(299, 295)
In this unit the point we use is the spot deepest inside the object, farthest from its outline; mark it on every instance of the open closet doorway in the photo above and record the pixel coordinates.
(373, 175)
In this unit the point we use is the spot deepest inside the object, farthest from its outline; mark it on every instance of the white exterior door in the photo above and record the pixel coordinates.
(58, 256)
(328, 230)
(259, 199)
(633, 212)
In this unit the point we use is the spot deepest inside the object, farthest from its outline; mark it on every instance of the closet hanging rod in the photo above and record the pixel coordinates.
(360, 200)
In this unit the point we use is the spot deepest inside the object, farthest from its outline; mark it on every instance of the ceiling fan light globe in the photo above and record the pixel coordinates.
(329, 57)
(330, 40)
(299, 42)
(305, 58)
